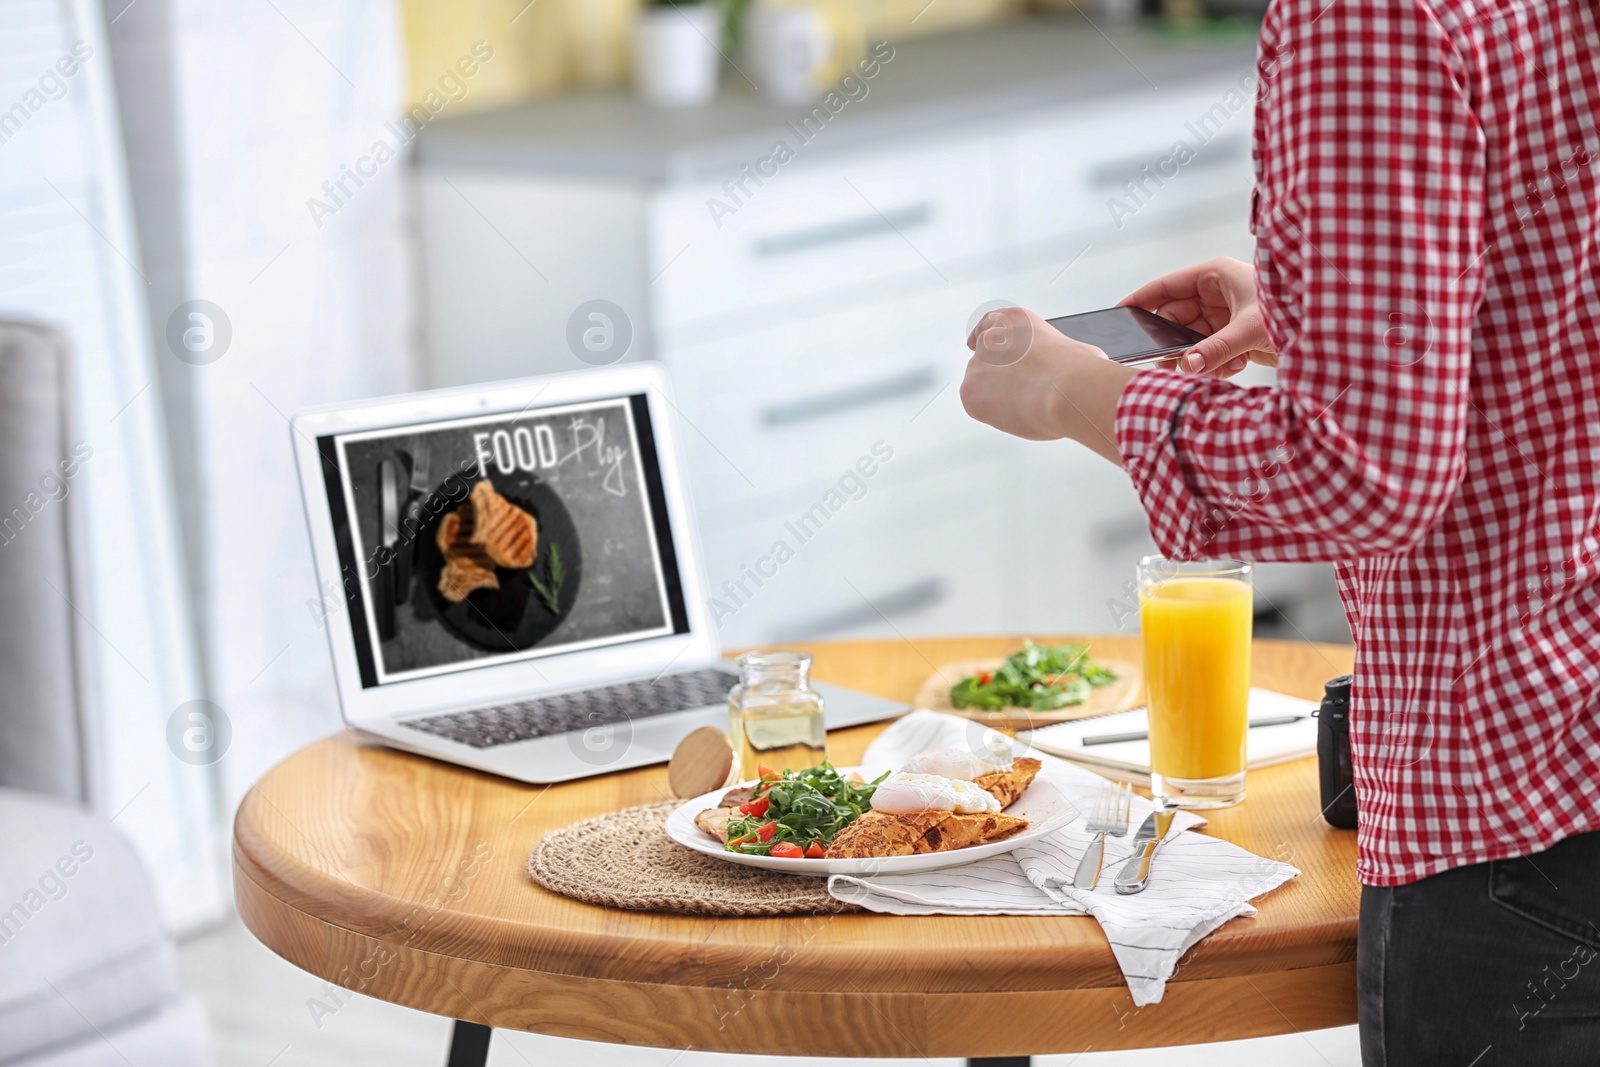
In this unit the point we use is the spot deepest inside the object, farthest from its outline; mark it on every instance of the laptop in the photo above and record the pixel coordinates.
(511, 575)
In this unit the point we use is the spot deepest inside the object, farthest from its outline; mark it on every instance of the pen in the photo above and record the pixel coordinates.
(1144, 735)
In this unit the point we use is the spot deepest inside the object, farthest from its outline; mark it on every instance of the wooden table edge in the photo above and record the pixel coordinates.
(760, 1020)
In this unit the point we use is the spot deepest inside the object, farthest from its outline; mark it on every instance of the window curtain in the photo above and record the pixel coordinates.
(246, 126)
(70, 259)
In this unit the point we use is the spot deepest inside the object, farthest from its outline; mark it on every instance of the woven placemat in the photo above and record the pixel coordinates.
(626, 860)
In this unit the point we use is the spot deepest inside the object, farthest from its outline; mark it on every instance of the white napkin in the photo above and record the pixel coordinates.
(1197, 883)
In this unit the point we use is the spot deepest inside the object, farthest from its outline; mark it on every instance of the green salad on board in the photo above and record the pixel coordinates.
(1040, 677)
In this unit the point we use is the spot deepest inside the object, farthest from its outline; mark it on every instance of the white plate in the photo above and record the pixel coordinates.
(1046, 807)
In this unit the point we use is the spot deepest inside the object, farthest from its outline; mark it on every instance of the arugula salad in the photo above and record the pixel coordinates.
(797, 813)
(1040, 677)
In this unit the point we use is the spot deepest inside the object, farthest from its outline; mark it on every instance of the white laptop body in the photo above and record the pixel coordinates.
(515, 674)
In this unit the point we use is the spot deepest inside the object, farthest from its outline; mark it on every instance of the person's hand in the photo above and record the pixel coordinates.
(1029, 379)
(1216, 298)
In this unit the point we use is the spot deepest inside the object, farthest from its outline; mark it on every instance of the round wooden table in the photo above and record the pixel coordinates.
(403, 878)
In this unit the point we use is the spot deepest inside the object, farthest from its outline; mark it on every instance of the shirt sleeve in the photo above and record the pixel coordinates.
(1369, 225)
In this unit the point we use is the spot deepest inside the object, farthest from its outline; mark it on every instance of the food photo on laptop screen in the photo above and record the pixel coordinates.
(473, 541)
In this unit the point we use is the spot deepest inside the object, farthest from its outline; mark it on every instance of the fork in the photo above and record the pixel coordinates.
(1112, 806)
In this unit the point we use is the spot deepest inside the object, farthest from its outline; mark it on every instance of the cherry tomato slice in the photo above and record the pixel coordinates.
(766, 830)
(757, 806)
(763, 771)
(787, 850)
(814, 851)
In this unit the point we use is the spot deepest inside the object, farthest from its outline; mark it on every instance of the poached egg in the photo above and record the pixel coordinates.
(963, 763)
(905, 792)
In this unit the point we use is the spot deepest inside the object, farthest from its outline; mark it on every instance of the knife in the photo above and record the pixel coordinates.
(1136, 872)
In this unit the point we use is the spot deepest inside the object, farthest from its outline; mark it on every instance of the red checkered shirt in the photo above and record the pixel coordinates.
(1426, 251)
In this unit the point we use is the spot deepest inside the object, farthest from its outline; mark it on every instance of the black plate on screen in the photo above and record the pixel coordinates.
(513, 617)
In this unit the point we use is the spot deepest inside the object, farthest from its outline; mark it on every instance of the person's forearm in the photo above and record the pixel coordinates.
(1084, 404)
(1298, 470)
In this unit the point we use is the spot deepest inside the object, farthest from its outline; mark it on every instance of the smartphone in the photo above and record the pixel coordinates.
(1129, 335)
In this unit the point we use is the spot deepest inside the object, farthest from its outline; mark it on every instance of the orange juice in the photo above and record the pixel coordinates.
(1197, 669)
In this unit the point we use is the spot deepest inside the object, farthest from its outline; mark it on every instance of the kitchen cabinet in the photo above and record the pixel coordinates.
(815, 310)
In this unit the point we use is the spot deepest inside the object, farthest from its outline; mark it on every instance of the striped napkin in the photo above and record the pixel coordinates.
(1197, 883)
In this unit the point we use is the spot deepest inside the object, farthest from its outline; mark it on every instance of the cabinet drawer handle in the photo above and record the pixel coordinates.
(853, 229)
(1112, 175)
(1114, 535)
(910, 597)
(823, 404)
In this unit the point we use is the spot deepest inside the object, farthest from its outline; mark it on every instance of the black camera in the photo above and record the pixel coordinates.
(1333, 755)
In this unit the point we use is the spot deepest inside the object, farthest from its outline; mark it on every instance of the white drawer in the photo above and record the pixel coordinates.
(1108, 270)
(904, 556)
(742, 457)
(821, 227)
(793, 404)
(1072, 174)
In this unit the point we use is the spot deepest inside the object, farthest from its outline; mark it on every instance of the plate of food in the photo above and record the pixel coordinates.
(1035, 686)
(503, 567)
(944, 808)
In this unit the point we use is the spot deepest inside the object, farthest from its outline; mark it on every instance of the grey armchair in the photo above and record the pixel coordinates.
(87, 974)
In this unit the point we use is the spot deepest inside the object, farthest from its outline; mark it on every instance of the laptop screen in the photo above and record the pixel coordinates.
(489, 539)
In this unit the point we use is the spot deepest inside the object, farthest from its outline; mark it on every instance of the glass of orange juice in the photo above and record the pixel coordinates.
(1196, 620)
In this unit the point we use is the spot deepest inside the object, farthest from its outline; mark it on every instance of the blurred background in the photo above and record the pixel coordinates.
(215, 214)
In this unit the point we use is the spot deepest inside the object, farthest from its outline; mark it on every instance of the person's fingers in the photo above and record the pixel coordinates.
(1232, 367)
(1205, 310)
(1234, 341)
(1167, 289)
(1191, 313)
(1004, 336)
(988, 320)
(1191, 283)
(972, 338)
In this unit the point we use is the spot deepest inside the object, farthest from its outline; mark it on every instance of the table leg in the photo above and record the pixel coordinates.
(469, 1045)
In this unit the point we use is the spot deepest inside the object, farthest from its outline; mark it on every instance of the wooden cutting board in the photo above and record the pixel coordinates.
(1124, 693)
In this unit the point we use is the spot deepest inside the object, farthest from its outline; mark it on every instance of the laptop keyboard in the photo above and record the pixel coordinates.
(524, 720)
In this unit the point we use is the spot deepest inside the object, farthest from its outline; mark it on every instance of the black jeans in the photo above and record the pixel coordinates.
(1493, 965)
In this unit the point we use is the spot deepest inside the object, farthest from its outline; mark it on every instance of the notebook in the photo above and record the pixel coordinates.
(1130, 760)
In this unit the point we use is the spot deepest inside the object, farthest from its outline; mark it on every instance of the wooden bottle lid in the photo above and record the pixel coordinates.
(703, 761)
